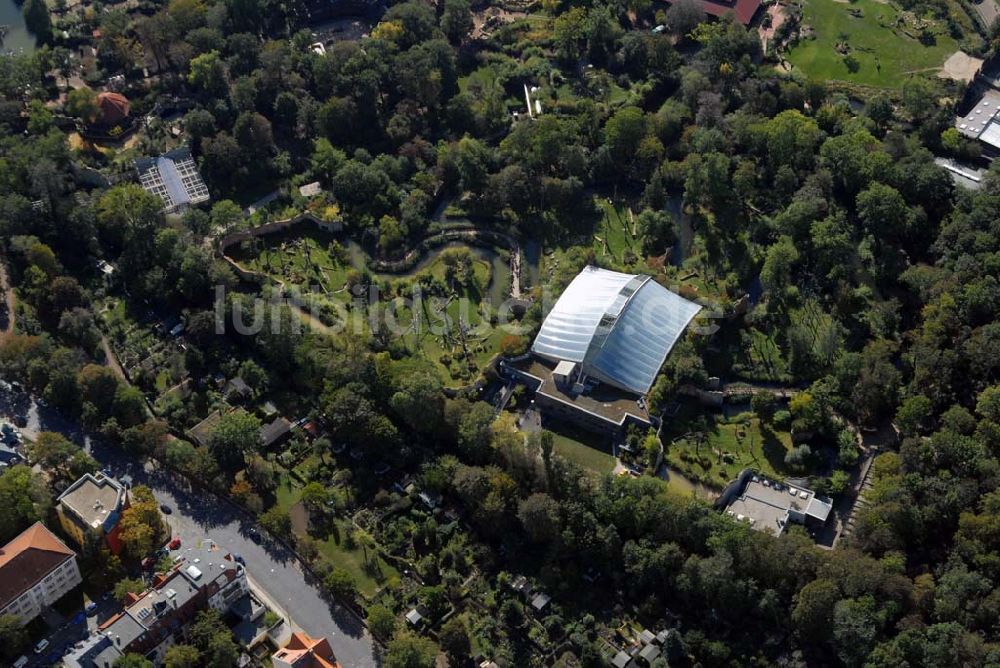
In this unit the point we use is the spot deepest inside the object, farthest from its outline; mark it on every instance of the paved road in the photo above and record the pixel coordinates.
(988, 11)
(198, 514)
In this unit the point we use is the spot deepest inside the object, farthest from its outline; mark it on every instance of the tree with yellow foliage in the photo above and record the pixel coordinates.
(141, 523)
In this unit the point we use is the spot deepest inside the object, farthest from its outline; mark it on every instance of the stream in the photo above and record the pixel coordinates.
(18, 39)
(686, 486)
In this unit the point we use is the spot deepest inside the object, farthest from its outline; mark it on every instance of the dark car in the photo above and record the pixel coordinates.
(165, 509)
(254, 534)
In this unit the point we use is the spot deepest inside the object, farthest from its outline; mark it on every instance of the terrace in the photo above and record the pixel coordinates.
(608, 407)
(769, 505)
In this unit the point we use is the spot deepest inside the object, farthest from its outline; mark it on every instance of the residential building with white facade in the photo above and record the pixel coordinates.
(36, 570)
(204, 576)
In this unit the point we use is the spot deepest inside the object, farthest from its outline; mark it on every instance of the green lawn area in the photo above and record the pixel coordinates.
(584, 449)
(726, 448)
(613, 234)
(885, 54)
(301, 258)
(369, 575)
(287, 493)
(308, 258)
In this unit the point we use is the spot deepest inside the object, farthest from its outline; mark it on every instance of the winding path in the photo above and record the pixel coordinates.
(10, 301)
(470, 235)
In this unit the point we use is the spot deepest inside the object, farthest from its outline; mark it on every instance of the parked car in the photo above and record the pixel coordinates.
(238, 558)
(175, 543)
(21, 662)
(254, 534)
(91, 608)
(165, 509)
(42, 645)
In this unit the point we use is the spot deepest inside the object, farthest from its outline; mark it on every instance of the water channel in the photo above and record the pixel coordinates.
(17, 39)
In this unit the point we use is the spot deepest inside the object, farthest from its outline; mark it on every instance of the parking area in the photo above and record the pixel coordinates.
(65, 624)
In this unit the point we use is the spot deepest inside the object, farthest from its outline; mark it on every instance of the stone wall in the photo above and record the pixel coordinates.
(264, 230)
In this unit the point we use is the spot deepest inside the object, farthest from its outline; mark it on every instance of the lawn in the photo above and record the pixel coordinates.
(370, 571)
(337, 548)
(717, 454)
(883, 51)
(315, 258)
(586, 450)
(613, 234)
(287, 494)
(301, 258)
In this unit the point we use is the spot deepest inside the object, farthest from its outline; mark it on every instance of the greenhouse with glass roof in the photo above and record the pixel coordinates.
(613, 328)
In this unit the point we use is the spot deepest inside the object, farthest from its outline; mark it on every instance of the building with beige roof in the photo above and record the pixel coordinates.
(90, 511)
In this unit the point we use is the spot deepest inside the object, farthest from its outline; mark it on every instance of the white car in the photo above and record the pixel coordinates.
(41, 646)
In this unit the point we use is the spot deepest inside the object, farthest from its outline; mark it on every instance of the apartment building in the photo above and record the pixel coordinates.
(36, 570)
(90, 511)
(203, 577)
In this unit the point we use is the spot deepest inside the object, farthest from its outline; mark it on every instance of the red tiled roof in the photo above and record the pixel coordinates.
(115, 107)
(27, 559)
(303, 651)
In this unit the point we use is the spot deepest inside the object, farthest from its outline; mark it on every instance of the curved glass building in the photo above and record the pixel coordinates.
(619, 328)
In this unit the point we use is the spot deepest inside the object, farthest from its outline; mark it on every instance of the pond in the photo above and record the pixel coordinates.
(685, 234)
(17, 39)
(531, 274)
(680, 483)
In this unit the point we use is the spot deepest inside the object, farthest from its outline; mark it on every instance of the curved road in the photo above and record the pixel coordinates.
(198, 514)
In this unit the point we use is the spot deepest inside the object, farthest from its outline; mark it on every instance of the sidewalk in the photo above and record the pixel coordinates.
(289, 626)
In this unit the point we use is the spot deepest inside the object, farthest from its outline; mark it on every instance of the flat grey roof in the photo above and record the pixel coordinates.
(93, 498)
(97, 652)
(991, 135)
(124, 630)
(621, 660)
(603, 401)
(975, 123)
(766, 504)
(649, 653)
